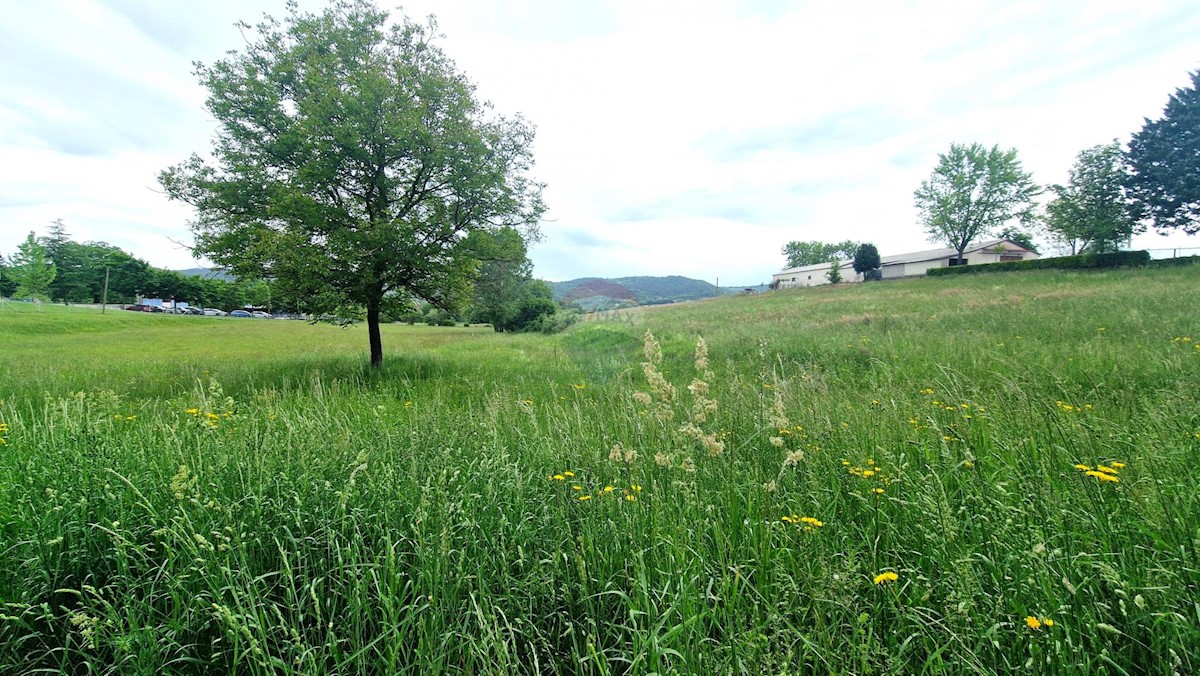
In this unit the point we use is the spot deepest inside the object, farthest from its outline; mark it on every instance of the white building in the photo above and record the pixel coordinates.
(914, 264)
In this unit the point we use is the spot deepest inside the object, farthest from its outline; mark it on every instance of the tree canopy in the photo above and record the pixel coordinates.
(7, 286)
(1164, 158)
(866, 258)
(800, 253)
(972, 192)
(1091, 213)
(351, 162)
(506, 294)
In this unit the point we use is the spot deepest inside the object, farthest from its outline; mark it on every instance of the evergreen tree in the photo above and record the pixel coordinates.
(1164, 158)
(32, 270)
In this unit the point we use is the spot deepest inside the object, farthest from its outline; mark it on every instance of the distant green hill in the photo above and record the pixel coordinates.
(593, 293)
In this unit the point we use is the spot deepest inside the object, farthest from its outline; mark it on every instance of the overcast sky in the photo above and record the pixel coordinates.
(691, 138)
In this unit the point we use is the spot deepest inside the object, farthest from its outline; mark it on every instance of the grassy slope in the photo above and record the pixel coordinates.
(335, 519)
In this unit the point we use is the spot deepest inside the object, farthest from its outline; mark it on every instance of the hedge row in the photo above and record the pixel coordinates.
(1174, 262)
(1117, 259)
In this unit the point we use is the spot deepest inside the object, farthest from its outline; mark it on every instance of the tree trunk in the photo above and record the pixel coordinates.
(373, 332)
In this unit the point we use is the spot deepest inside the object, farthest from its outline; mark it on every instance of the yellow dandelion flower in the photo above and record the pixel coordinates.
(576, 488)
(1047, 622)
(584, 498)
(579, 386)
(1033, 622)
(1106, 469)
(787, 519)
(635, 487)
(868, 473)
(877, 491)
(559, 477)
(969, 464)
(609, 489)
(1118, 465)
(1083, 468)
(568, 473)
(1103, 477)
(631, 498)
(815, 523)
(193, 411)
(883, 578)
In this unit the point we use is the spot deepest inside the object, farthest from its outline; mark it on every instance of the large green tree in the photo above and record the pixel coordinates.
(32, 270)
(76, 276)
(1164, 158)
(351, 162)
(1092, 212)
(974, 191)
(505, 277)
(801, 253)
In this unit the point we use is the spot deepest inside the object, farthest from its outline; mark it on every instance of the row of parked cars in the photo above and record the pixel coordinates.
(208, 311)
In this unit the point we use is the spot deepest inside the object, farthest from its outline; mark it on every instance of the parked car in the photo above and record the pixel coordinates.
(193, 311)
(259, 314)
(214, 312)
(138, 308)
(239, 313)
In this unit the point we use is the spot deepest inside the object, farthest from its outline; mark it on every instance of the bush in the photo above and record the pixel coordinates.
(555, 323)
(1174, 262)
(1116, 259)
(529, 314)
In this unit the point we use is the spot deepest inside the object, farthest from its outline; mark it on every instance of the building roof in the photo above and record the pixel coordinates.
(914, 257)
(946, 252)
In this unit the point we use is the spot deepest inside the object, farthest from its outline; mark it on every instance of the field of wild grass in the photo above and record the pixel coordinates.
(993, 473)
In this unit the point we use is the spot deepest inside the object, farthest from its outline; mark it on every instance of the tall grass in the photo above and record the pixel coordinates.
(202, 495)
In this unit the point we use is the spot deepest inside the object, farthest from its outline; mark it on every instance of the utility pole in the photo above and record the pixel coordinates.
(104, 300)
(718, 287)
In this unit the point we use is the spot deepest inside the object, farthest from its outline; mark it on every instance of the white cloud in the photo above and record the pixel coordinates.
(676, 138)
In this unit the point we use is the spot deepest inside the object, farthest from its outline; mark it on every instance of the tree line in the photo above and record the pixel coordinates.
(60, 269)
(1111, 192)
(57, 268)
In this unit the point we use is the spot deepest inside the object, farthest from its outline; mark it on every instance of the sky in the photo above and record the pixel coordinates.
(690, 138)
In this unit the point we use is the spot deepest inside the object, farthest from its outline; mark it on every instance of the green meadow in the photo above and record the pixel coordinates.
(989, 473)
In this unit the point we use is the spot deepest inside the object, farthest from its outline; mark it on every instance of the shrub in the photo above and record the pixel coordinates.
(1174, 262)
(530, 314)
(554, 323)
